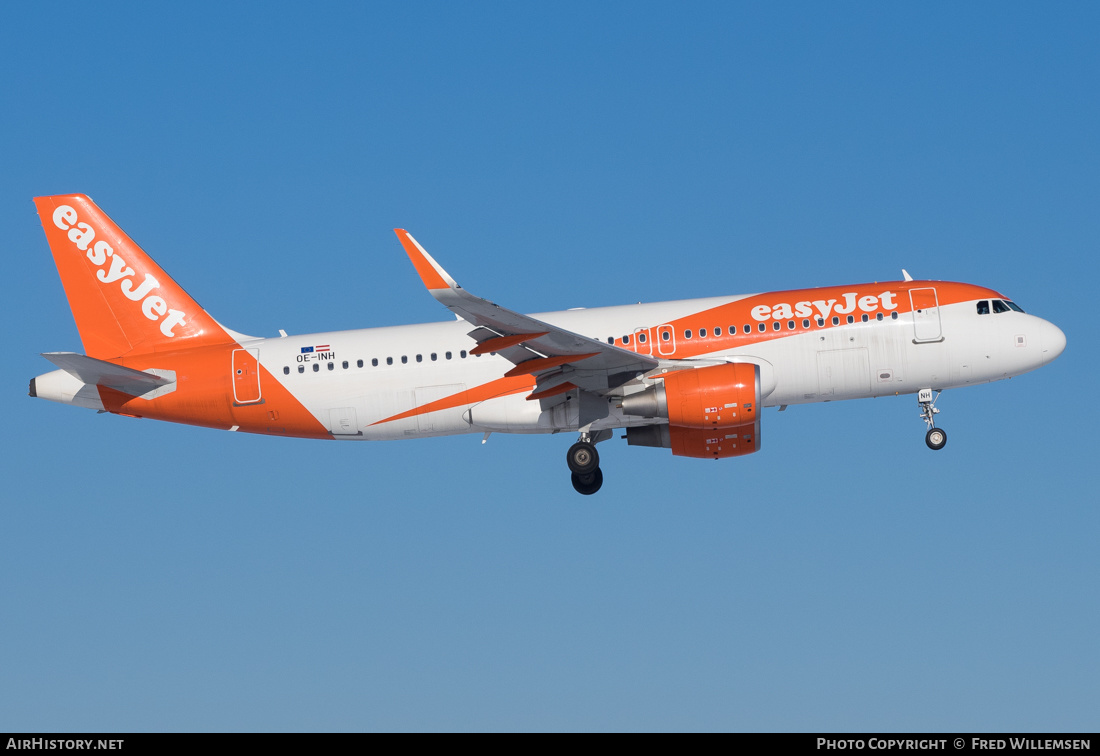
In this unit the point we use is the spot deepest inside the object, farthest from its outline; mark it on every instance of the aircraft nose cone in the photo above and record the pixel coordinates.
(1052, 341)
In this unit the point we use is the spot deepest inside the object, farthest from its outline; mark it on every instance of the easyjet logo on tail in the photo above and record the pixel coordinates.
(117, 271)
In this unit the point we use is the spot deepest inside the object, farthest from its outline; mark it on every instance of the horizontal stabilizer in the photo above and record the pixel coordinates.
(100, 373)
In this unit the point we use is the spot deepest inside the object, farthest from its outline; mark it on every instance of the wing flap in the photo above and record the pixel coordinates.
(542, 364)
(498, 343)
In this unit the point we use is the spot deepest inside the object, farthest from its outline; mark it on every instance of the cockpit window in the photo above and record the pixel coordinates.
(999, 306)
(1014, 306)
(983, 307)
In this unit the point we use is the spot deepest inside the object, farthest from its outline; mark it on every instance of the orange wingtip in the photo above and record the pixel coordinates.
(421, 261)
(530, 367)
(560, 389)
(497, 343)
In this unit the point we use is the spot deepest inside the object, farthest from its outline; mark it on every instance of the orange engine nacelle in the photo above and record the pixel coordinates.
(712, 412)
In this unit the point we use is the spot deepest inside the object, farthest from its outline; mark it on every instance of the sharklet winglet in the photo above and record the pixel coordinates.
(431, 273)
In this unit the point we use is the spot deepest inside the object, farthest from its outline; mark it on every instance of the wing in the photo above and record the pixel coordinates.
(559, 359)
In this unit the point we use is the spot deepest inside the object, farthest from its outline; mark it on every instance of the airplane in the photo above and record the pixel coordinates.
(691, 376)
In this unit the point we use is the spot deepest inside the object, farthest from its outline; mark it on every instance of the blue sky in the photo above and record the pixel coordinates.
(160, 577)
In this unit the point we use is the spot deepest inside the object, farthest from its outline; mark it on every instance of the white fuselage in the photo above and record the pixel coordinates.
(406, 367)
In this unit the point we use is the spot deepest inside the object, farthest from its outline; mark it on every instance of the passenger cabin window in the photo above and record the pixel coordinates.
(687, 333)
(358, 363)
(748, 328)
(344, 364)
(641, 338)
(389, 360)
(374, 362)
(702, 333)
(316, 368)
(983, 307)
(404, 359)
(666, 335)
(805, 323)
(447, 355)
(286, 371)
(301, 368)
(836, 320)
(419, 358)
(762, 328)
(718, 331)
(331, 366)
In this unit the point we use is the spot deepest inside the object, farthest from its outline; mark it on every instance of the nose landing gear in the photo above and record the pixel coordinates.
(584, 463)
(936, 438)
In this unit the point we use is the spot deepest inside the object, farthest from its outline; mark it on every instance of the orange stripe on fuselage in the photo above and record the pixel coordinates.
(740, 313)
(490, 390)
(204, 396)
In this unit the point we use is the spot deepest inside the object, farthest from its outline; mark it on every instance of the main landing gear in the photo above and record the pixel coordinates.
(584, 463)
(936, 438)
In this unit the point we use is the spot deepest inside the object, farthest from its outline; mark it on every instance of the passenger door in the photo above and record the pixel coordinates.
(926, 315)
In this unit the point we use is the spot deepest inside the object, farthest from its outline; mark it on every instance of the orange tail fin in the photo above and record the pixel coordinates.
(121, 300)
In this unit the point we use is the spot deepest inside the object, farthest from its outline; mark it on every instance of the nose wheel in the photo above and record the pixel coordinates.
(584, 463)
(936, 438)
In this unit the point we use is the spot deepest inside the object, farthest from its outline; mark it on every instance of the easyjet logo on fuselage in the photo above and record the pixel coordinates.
(848, 303)
(152, 306)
